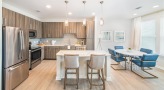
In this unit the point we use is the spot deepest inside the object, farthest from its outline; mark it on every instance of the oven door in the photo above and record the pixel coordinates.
(32, 34)
(35, 55)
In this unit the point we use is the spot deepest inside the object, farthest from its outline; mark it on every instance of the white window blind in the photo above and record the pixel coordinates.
(148, 39)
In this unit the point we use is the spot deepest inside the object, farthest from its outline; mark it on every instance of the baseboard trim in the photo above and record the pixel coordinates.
(162, 68)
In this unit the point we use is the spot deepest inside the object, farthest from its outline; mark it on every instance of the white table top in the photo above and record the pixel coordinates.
(130, 52)
(81, 52)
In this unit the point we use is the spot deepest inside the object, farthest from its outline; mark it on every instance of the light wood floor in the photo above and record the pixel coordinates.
(43, 78)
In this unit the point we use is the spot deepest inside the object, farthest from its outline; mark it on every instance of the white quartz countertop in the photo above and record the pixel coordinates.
(81, 52)
(65, 45)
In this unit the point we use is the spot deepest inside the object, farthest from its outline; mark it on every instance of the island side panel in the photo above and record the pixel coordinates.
(107, 68)
(58, 67)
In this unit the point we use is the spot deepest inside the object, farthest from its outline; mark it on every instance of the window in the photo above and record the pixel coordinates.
(162, 36)
(148, 39)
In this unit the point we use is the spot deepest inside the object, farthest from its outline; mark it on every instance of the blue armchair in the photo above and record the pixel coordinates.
(116, 58)
(118, 47)
(148, 51)
(148, 60)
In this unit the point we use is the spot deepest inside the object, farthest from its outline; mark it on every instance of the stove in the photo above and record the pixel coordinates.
(34, 56)
(35, 47)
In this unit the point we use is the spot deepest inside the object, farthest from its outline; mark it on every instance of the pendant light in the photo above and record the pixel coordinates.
(84, 20)
(101, 19)
(66, 21)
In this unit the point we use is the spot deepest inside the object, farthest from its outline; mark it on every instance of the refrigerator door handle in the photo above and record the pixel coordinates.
(20, 38)
(12, 68)
(23, 45)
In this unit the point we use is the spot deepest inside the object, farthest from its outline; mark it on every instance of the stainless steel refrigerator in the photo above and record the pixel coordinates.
(15, 61)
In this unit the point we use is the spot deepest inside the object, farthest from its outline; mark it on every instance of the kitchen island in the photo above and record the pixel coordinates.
(84, 56)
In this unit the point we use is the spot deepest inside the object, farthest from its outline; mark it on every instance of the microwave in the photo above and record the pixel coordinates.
(32, 33)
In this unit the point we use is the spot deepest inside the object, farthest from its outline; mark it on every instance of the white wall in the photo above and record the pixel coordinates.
(115, 24)
(0, 44)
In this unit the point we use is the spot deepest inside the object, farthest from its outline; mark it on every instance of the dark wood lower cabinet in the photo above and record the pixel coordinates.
(51, 51)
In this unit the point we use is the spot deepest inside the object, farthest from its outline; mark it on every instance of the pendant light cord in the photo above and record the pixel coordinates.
(84, 9)
(66, 10)
(101, 8)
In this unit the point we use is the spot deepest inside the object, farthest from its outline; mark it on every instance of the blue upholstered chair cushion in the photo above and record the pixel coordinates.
(118, 47)
(115, 57)
(148, 60)
(148, 51)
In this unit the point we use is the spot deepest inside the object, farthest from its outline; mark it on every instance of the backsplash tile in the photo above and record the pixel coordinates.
(69, 39)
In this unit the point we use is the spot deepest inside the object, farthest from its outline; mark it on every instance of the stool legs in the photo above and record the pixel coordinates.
(65, 79)
(77, 77)
(99, 76)
(91, 79)
(103, 79)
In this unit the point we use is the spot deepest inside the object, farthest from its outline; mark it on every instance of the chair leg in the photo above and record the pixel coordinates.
(65, 78)
(91, 79)
(142, 68)
(118, 69)
(87, 73)
(125, 64)
(131, 65)
(77, 77)
(99, 76)
(103, 79)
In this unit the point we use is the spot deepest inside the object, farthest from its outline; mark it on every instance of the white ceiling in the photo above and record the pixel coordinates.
(111, 8)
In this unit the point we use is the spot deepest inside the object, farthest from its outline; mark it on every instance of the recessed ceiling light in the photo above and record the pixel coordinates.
(138, 7)
(134, 14)
(156, 6)
(69, 13)
(93, 13)
(37, 11)
(48, 6)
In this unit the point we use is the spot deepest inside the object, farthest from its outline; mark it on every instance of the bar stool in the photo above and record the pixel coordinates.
(96, 62)
(71, 62)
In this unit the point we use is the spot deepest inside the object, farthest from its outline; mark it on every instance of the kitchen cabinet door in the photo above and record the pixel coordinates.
(58, 30)
(65, 29)
(26, 34)
(11, 18)
(8, 17)
(20, 21)
(72, 27)
(49, 53)
(32, 24)
(38, 28)
(5, 16)
(44, 30)
(90, 29)
(27, 22)
(52, 30)
(81, 30)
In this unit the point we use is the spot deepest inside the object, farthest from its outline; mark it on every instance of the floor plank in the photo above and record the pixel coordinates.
(43, 78)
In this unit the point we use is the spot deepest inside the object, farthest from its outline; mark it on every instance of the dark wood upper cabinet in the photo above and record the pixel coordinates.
(8, 17)
(20, 21)
(71, 28)
(81, 30)
(52, 30)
